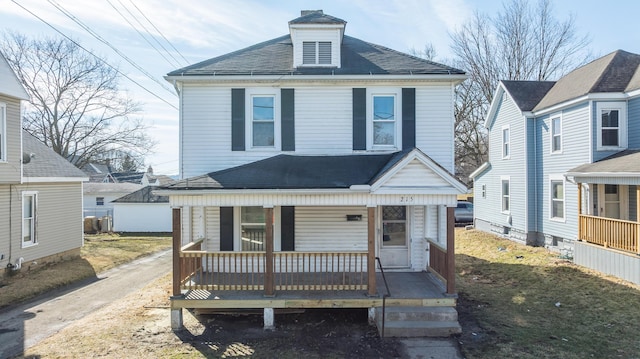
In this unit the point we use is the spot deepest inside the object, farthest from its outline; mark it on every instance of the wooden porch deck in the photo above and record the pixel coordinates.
(410, 289)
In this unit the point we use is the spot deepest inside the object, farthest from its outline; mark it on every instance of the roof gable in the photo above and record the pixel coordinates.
(9, 83)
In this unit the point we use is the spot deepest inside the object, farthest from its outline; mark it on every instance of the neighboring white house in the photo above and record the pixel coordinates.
(306, 157)
(40, 192)
(142, 211)
(97, 197)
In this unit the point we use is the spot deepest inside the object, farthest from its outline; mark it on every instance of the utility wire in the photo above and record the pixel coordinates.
(97, 57)
(159, 32)
(141, 33)
(99, 38)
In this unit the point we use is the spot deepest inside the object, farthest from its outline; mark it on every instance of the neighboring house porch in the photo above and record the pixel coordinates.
(354, 231)
(609, 215)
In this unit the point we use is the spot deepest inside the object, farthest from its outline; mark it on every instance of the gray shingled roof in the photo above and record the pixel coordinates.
(316, 17)
(106, 188)
(143, 195)
(623, 162)
(297, 172)
(527, 94)
(275, 57)
(615, 72)
(45, 162)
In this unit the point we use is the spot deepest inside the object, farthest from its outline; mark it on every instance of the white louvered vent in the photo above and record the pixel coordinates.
(324, 53)
(308, 53)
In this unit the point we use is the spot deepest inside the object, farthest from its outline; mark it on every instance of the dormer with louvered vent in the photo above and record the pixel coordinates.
(316, 39)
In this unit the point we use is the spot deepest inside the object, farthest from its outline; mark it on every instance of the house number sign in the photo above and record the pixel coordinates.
(406, 199)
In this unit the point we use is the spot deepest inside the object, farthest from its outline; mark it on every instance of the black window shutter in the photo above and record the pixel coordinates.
(287, 115)
(226, 228)
(408, 118)
(287, 224)
(359, 119)
(237, 119)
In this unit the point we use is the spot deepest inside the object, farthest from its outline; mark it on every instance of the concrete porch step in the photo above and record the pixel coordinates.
(418, 321)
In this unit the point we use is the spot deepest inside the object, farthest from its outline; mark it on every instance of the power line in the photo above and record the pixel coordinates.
(99, 38)
(97, 57)
(160, 32)
(141, 33)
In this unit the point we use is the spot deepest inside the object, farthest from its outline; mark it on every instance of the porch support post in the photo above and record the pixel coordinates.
(371, 250)
(269, 319)
(268, 276)
(176, 313)
(579, 211)
(638, 219)
(451, 258)
(177, 241)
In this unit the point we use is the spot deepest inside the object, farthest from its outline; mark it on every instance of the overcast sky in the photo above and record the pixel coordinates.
(202, 29)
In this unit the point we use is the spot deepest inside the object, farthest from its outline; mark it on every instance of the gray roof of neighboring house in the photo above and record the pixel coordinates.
(275, 57)
(106, 188)
(143, 195)
(627, 161)
(297, 172)
(615, 72)
(130, 177)
(316, 17)
(45, 162)
(527, 94)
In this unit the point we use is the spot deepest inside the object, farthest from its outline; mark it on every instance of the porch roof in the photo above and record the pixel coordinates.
(622, 165)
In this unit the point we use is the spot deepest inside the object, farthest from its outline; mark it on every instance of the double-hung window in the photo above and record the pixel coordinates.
(611, 125)
(385, 129)
(506, 142)
(99, 201)
(316, 53)
(3, 132)
(557, 198)
(506, 194)
(263, 121)
(29, 206)
(556, 135)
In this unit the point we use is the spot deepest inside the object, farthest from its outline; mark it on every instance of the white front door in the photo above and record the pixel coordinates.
(394, 242)
(613, 201)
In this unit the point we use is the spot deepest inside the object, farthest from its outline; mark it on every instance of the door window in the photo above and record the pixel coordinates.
(394, 226)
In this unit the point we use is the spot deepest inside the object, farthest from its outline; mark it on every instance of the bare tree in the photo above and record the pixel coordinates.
(522, 42)
(428, 53)
(76, 105)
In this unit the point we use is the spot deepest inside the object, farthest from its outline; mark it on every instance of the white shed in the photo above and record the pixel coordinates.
(142, 211)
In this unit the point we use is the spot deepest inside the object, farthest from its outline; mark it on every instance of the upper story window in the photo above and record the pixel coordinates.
(29, 205)
(316, 53)
(506, 144)
(556, 135)
(384, 120)
(3, 132)
(612, 125)
(263, 121)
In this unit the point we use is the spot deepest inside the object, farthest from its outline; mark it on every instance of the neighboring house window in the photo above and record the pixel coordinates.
(3, 132)
(29, 206)
(384, 120)
(506, 138)
(506, 194)
(557, 198)
(484, 191)
(316, 53)
(612, 125)
(99, 201)
(556, 134)
(263, 121)
(252, 229)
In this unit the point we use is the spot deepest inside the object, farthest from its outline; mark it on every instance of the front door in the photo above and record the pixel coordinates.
(613, 201)
(394, 244)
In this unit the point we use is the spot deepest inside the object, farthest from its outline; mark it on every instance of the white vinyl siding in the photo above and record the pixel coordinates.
(316, 47)
(435, 123)
(326, 229)
(323, 120)
(142, 217)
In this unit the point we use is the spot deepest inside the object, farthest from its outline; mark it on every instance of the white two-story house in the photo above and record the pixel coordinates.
(310, 163)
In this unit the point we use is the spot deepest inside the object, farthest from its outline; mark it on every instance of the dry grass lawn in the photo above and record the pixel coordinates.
(526, 302)
(99, 253)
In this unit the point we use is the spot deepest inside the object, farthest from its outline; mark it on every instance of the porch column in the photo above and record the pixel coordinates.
(638, 219)
(451, 257)
(268, 276)
(371, 250)
(177, 241)
(579, 211)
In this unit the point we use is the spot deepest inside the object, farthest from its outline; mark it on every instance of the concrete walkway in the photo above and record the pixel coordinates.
(26, 325)
(431, 348)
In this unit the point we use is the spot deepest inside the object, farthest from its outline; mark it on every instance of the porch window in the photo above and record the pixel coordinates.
(384, 120)
(29, 204)
(556, 135)
(263, 121)
(506, 147)
(394, 226)
(252, 228)
(557, 199)
(506, 197)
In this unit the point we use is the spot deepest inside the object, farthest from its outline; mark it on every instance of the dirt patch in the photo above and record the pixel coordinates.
(138, 326)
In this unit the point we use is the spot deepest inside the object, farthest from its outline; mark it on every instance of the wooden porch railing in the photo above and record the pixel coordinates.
(291, 270)
(610, 233)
